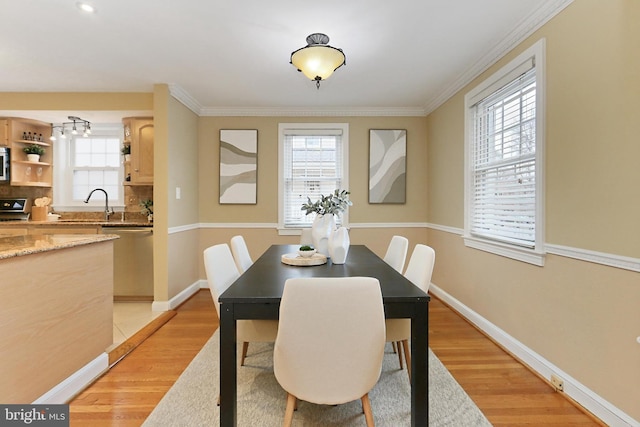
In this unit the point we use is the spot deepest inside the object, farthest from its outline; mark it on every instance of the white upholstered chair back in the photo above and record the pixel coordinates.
(221, 270)
(420, 267)
(221, 273)
(419, 271)
(241, 253)
(397, 252)
(331, 338)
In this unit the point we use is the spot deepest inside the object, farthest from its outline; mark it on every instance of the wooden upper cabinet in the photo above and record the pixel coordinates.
(138, 133)
(4, 132)
(20, 133)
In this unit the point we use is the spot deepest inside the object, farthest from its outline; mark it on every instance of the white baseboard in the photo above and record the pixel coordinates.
(178, 299)
(595, 404)
(74, 384)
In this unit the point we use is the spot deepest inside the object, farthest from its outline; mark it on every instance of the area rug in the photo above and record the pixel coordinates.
(191, 402)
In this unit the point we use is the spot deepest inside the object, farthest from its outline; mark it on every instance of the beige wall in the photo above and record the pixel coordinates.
(582, 317)
(266, 210)
(99, 101)
(176, 255)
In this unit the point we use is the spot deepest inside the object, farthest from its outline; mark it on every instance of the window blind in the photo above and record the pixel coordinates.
(504, 164)
(312, 167)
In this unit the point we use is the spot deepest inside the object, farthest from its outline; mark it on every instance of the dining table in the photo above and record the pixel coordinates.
(256, 294)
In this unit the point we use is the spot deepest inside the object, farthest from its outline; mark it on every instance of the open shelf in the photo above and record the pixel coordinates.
(31, 184)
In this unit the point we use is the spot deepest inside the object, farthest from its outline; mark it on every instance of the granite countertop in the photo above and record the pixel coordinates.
(12, 246)
(76, 222)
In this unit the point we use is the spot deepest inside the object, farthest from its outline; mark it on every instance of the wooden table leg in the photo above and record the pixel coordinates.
(228, 367)
(420, 366)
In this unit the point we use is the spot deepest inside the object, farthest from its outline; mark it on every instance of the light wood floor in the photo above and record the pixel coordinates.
(506, 392)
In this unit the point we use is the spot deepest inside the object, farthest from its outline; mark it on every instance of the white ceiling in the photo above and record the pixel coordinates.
(403, 56)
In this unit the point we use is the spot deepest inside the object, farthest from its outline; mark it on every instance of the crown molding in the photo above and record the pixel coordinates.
(185, 98)
(313, 112)
(524, 29)
(191, 103)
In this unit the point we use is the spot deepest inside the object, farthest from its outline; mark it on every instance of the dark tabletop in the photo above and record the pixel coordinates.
(264, 281)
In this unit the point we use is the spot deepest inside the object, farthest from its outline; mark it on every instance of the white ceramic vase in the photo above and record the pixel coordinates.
(33, 157)
(321, 229)
(339, 245)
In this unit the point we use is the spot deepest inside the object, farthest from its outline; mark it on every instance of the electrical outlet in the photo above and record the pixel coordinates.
(557, 382)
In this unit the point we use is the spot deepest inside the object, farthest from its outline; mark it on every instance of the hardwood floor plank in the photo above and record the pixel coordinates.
(506, 391)
(129, 391)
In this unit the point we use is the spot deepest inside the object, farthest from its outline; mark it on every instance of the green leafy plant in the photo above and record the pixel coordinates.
(126, 149)
(146, 206)
(335, 203)
(306, 248)
(34, 149)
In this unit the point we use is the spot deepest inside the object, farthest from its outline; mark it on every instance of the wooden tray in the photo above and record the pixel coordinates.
(295, 259)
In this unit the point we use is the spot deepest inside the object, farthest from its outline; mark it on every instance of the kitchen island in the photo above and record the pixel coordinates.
(56, 314)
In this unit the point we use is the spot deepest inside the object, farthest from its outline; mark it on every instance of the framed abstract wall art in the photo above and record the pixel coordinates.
(238, 166)
(387, 165)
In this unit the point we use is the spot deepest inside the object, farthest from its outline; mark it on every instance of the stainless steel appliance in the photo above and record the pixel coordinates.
(15, 209)
(132, 263)
(4, 164)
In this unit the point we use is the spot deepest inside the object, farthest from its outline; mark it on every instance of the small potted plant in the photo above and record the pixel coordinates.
(306, 251)
(126, 152)
(34, 152)
(146, 207)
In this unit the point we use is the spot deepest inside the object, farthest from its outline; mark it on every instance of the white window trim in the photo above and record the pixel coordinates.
(63, 174)
(509, 72)
(287, 231)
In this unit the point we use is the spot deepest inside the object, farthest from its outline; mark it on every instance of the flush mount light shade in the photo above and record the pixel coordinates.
(318, 60)
(85, 7)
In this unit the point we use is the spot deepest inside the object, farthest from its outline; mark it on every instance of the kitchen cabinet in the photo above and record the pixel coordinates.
(4, 133)
(57, 314)
(24, 172)
(138, 134)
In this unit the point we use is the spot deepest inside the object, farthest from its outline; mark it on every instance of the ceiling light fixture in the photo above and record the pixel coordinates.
(74, 121)
(317, 60)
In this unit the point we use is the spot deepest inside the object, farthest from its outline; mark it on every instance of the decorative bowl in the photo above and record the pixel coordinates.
(307, 254)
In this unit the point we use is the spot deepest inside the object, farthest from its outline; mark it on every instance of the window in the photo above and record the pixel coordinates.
(312, 160)
(90, 162)
(504, 171)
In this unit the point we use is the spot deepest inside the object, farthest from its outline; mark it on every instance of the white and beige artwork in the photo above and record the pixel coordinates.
(238, 166)
(387, 165)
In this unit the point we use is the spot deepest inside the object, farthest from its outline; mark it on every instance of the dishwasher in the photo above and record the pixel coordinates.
(132, 263)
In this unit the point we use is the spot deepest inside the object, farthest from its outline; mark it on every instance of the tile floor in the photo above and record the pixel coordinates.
(129, 318)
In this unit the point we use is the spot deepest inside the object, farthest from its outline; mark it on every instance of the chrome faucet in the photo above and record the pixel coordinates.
(107, 212)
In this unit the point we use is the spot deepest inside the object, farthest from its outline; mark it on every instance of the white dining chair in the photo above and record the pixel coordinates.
(330, 341)
(397, 252)
(419, 272)
(240, 253)
(221, 272)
